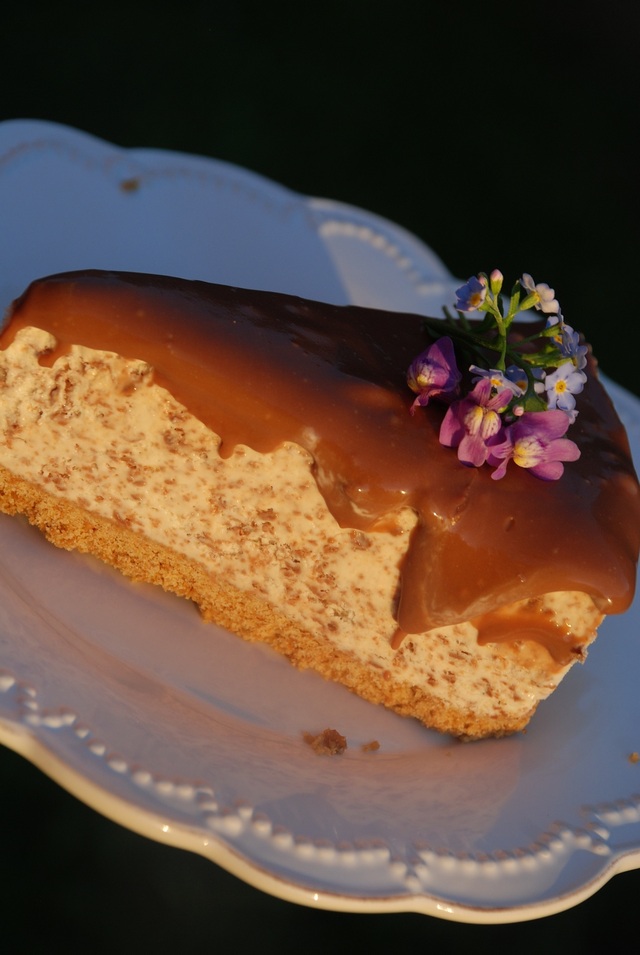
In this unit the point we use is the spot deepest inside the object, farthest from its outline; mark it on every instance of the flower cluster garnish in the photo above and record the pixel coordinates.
(516, 400)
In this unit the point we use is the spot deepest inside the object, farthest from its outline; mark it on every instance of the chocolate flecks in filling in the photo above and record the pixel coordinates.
(261, 369)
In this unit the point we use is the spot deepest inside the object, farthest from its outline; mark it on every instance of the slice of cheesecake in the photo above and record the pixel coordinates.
(255, 453)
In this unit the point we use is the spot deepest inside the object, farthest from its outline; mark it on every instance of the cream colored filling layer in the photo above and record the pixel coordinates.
(94, 429)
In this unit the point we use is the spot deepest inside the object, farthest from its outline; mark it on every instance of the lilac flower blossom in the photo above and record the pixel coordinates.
(471, 295)
(501, 418)
(546, 300)
(472, 422)
(513, 378)
(434, 372)
(535, 441)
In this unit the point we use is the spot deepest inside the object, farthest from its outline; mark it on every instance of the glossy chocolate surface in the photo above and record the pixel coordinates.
(261, 368)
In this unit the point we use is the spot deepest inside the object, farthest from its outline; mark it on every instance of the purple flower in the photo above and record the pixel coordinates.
(472, 422)
(545, 300)
(562, 384)
(472, 294)
(434, 372)
(535, 441)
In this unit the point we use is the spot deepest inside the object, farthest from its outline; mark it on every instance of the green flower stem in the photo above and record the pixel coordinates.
(501, 363)
(502, 324)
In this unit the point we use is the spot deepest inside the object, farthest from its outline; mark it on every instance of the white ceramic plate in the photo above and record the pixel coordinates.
(190, 736)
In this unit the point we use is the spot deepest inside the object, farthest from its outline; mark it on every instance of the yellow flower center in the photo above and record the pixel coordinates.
(527, 452)
(482, 420)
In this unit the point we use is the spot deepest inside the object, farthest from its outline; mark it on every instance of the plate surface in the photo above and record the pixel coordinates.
(186, 734)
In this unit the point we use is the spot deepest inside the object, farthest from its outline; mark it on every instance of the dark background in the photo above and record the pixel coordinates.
(504, 135)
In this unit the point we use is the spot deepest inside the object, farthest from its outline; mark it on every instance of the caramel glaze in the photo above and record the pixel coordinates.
(532, 623)
(261, 369)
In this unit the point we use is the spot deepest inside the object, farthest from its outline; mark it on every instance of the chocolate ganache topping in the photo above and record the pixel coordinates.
(261, 369)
